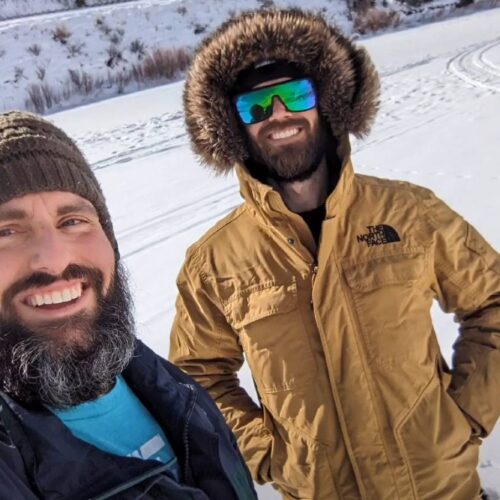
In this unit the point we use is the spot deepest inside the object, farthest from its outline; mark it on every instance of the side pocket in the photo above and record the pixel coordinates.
(435, 441)
(299, 466)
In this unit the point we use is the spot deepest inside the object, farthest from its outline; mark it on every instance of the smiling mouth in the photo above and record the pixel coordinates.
(284, 133)
(56, 299)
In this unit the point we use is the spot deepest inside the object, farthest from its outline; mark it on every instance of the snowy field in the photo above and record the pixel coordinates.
(439, 126)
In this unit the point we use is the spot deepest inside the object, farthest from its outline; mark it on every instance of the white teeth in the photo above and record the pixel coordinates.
(285, 133)
(66, 295)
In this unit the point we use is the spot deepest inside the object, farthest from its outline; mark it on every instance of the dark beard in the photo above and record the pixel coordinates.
(38, 369)
(295, 162)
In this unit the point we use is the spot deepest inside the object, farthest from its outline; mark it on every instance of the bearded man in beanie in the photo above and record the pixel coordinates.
(87, 410)
(324, 279)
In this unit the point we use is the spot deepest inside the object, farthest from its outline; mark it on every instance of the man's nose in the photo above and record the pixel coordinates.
(279, 109)
(50, 253)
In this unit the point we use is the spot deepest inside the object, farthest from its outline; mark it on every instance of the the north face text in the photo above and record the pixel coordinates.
(379, 235)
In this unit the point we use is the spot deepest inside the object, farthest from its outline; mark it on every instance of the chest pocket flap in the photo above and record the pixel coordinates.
(259, 302)
(271, 331)
(385, 270)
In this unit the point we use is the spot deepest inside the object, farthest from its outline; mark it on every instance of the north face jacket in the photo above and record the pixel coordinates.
(356, 399)
(41, 459)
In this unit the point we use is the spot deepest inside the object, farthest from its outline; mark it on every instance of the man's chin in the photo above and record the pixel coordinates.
(67, 332)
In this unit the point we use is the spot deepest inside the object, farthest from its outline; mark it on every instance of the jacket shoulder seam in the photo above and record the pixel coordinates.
(193, 257)
(393, 185)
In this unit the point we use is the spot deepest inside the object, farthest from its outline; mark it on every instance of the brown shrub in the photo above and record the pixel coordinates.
(61, 34)
(165, 63)
(373, 20)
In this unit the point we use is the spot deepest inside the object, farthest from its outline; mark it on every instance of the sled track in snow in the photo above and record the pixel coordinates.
(474, 67)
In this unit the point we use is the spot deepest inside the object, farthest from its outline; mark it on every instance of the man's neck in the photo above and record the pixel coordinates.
(308, 194)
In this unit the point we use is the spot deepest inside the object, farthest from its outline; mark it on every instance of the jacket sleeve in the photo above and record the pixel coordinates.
(467, 271)
(204, 346)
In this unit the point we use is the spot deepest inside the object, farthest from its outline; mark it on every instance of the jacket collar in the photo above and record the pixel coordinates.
(269, 204)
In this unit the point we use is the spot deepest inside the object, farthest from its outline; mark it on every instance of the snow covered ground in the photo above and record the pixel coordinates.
(439, 126)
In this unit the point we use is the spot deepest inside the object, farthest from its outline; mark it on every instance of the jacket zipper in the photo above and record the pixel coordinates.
(185, 434)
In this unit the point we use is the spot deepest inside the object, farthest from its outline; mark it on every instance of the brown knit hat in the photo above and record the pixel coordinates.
(36, 156)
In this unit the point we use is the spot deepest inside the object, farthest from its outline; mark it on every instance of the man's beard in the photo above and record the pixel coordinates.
(37, 368)
(292, 162)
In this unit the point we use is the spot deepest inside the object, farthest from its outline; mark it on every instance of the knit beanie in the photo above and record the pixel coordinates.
(37, 156)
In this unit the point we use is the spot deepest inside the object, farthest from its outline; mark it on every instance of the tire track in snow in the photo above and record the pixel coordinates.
(472, 67)
(135, 140)
(171, 223)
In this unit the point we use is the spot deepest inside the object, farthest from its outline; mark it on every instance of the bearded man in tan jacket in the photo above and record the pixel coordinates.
(324, 280)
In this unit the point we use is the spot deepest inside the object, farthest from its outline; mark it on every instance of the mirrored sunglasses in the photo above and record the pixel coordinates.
(257, 105)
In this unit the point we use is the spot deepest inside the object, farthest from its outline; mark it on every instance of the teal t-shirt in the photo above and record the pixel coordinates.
(120, 424)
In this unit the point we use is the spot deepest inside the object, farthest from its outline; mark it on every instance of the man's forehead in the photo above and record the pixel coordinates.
(54, 201)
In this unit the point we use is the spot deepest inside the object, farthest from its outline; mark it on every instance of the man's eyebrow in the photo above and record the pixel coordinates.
(81, 207)
(9, 214)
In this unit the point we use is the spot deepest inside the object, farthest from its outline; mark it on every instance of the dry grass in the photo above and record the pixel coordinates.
(266, 4)
(34, 49)
(18, 74)
(75, 49)
(40, 72)
(160, 65)
(82, 81)
(373, 20)
(164, 63)
(137, 47)
(42, 97)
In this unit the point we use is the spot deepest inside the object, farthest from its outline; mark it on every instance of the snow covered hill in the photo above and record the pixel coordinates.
(57, 60)
(439, 126)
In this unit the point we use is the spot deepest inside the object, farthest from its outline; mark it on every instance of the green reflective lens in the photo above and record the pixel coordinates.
(257, 105)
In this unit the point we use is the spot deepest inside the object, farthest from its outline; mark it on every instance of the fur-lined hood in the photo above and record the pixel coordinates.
(347, 82)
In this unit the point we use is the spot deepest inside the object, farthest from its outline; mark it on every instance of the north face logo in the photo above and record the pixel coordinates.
(379, 235)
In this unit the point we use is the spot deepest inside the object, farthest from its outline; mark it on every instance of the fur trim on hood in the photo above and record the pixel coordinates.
(346, 80)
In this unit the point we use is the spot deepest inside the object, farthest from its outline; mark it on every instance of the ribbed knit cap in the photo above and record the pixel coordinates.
(37, 156)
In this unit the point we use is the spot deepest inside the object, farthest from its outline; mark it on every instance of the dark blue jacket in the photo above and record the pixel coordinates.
(40, 458)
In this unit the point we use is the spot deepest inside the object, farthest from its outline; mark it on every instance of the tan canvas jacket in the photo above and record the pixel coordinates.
(357, 401)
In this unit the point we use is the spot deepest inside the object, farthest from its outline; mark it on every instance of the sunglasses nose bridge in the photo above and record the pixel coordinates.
(278, 106)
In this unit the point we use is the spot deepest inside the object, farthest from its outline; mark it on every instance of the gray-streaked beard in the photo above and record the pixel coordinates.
(37, 370)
